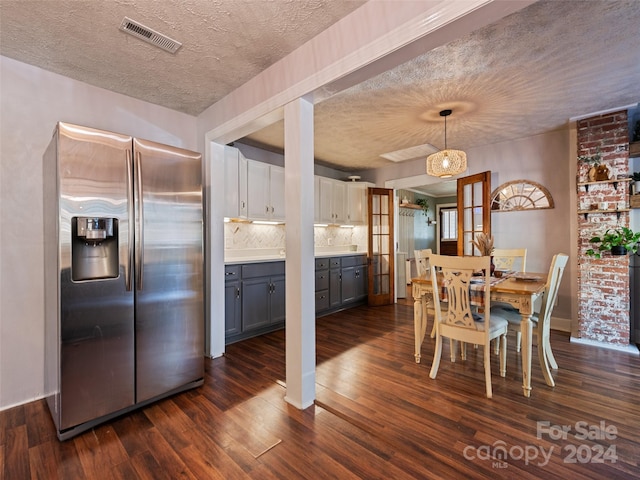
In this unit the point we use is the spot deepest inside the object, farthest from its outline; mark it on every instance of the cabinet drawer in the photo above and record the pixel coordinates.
(322, 280)
(335, 262)
(354, 260)
(231, 272)
(322, 263)
(265, 269)
(322, 300)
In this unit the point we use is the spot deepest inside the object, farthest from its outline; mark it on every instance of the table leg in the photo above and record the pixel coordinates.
(527, 330)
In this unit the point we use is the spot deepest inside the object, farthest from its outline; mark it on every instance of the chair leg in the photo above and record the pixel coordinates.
(518, 340)
(496, 346)
(433, 330)
(487, 368)
(550, 358)
(463, 351)
(546, 373)
(436, 357)
(503, 354)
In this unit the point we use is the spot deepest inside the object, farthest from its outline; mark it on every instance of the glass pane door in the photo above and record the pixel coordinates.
(381, 271)
(474, 195)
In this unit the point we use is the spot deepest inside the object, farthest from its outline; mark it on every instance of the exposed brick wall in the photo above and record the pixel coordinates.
(603, 284)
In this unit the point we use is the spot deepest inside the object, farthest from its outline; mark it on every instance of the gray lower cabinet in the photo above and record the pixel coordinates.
(232, 301)
(258, 305)
(347, 282)
(263, 300)
(255, 293)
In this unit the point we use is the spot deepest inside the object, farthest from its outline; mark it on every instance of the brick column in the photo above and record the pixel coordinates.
(603, 284)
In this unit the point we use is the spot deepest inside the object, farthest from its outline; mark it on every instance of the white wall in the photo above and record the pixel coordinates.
(544, 159)
(32, 101)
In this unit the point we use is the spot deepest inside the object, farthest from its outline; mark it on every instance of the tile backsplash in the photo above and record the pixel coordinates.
(246, 235)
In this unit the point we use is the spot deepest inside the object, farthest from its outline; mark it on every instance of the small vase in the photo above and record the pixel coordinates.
(618, 250)
(492, 268)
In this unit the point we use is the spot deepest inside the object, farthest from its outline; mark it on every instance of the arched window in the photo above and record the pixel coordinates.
(520, 195)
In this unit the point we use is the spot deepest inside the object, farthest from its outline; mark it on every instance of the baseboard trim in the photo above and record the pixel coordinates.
(633, 349)
(561, 324)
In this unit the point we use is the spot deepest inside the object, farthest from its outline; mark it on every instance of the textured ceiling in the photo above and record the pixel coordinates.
(225, 42)
(523, 75)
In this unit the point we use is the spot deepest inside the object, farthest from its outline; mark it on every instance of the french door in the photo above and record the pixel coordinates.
(474, 212)
(381, 247)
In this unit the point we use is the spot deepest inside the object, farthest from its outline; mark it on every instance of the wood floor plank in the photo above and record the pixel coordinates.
(16, 464)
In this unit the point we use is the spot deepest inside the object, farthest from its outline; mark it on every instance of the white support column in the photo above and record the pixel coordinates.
(214, 248)
(300, 262)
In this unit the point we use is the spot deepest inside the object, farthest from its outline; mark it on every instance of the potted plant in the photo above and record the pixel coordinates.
(619, 241)
(595, 161)
(422, 202)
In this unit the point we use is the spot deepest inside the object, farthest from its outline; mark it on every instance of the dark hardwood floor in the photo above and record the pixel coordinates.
(377, 415)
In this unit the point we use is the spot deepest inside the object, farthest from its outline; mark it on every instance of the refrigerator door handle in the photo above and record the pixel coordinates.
(130, 210)
(140, 224)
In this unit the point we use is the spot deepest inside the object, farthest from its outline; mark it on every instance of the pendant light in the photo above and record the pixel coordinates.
(446, 163)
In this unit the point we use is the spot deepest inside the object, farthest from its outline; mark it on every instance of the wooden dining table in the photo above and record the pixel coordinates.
(519, 291)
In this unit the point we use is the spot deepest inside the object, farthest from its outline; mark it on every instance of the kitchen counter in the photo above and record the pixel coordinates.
(257, 255)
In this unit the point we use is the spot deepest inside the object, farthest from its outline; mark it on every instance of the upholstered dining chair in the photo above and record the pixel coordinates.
(510, 259)
(458, 322)
(542, 320)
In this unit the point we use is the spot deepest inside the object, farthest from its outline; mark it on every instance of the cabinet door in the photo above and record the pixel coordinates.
(326, 195)
(243, 201)
(231, 184)
(339, 202)
(256, 296)
(258, 207)
(278, 301)
(362, 283)
(335, 287)
(276, 192)
(316, 199)
(356, 203)
(232, 308)
(348, 284)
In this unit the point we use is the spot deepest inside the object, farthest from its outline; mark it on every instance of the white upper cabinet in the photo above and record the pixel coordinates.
(235, 181)
(333, 197)
(357, 203)
(265, 191)
(255, 191)
(276, 192)
(316, 199)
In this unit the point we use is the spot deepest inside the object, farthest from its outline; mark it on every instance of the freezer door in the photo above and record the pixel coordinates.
(96, 329)
(169, 268)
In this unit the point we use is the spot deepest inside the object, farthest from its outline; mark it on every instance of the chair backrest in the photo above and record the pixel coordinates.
(422, 261)
(556, 270)
(505, 258)
(455, 275)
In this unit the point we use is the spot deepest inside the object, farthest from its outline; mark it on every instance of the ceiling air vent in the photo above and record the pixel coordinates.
(148, 35)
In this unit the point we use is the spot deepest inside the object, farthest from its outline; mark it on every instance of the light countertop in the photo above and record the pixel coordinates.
(256, 255)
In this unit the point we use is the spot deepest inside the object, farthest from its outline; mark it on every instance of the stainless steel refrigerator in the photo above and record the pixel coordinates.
(124, 288)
